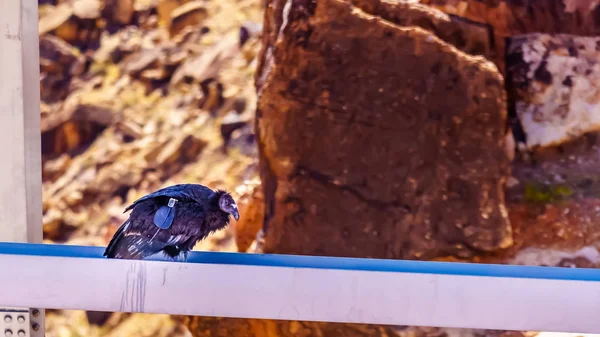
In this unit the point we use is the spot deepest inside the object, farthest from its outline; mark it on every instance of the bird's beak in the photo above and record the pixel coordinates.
(236, 214)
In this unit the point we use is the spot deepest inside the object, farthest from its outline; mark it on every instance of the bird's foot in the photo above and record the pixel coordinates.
(182, 257)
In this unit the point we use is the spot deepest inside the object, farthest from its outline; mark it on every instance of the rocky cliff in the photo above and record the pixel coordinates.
(437, 129)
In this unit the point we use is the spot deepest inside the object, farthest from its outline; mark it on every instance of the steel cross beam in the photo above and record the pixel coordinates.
(20, 144)
(309, 288)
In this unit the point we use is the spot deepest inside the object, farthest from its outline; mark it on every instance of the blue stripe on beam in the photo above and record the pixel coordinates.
(324, 262)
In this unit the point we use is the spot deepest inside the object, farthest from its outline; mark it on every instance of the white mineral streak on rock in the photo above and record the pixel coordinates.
(533, 256)
(559, 99)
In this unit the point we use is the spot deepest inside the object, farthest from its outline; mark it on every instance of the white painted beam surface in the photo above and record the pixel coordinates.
(308, 288)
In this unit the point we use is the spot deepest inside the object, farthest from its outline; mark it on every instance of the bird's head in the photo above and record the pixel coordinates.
(228, 205)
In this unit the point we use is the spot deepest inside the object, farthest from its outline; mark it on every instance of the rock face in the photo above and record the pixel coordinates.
(59, 64)
(216, 326)
(554, 84)
(251, 204)
(468, 36)
(379, 138)
(515, 17)
(190, 14)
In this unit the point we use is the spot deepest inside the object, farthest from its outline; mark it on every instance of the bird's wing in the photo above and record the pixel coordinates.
(113, 243)
(133, 242)
(140, 236)
(127, 244)
(181, 192)
(183, 222)
(164, 216)
(137, 247)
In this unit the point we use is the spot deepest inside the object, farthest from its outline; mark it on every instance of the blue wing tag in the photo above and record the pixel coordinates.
(163, 218)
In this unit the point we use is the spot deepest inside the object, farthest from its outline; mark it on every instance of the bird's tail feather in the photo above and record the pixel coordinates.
(112, 244)
(134, 247)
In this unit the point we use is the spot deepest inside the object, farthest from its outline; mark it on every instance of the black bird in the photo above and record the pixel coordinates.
(171, 220)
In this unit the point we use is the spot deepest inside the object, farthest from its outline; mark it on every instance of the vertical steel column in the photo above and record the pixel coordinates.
(20, 141)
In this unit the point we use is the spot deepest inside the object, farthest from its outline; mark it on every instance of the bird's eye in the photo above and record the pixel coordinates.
(225, 203)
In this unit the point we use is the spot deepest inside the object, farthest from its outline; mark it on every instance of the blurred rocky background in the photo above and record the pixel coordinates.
(138, 95)
(454, 130)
